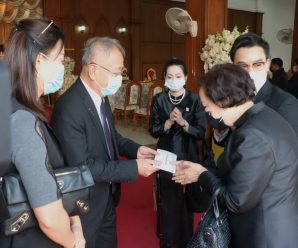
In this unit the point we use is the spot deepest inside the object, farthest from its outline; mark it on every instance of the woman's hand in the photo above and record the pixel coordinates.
(168, 124)
(77, 230)
(177, 117)
(187, 172)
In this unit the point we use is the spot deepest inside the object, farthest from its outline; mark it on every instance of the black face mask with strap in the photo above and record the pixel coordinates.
(216, 123)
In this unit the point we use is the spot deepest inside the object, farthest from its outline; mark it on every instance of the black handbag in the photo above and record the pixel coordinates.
(17, 215)
(197, 199)
(213, 230)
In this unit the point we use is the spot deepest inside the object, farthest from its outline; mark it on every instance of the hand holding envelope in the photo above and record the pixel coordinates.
(165, 158)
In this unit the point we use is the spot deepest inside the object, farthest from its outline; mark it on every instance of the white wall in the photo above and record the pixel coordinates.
(248, 5)
(278, 14)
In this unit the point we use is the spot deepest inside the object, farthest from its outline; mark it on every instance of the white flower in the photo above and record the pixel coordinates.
(217, 48)
(230, 38)
(227, 47)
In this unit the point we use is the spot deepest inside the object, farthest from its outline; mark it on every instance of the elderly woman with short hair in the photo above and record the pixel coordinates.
(257, 172)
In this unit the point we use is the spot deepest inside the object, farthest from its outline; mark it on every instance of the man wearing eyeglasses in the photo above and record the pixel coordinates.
(83, 123)
(251, 52)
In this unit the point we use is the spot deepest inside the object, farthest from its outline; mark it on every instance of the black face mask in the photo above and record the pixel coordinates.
(216, 123)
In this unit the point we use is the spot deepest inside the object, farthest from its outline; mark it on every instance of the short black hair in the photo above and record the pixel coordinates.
(249, 40)
(177, 62)
(228, 85)
(277, 61)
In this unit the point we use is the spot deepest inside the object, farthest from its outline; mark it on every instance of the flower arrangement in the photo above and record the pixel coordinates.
(218, 46)
(69, 77)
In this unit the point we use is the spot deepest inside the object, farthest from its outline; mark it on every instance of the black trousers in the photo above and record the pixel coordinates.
(105, 236)
(174, 219)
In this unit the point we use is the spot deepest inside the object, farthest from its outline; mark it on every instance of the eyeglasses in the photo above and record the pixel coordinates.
(257, 66)
(106, 69)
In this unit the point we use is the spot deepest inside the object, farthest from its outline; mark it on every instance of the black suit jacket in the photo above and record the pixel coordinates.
(281, 101)
(293, 85)
(280, 79)
(78, 128)
(257, 175)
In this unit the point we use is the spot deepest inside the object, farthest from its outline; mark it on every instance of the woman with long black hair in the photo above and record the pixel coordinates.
(34, 54)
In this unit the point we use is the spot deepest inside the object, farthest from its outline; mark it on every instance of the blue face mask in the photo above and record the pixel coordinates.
(52, 75)
(114, 83)
(54, 83)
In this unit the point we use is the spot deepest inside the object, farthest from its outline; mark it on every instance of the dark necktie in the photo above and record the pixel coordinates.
(106, 129)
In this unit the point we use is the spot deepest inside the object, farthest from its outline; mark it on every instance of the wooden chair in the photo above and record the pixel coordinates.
(132, 100)
(151, 74)
(144, 112)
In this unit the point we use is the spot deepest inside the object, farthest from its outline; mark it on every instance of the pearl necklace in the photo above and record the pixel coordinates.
(175, 101)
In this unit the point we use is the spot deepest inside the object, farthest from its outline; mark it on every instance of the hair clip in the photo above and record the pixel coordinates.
(35, 41)
(42, 32)
(18, 27)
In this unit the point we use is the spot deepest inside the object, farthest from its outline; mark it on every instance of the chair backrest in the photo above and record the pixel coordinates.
(154, 89)
(151, 74)
(133, 93)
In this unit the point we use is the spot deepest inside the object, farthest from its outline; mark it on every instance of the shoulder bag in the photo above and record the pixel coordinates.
(213, 230)
(16, 214)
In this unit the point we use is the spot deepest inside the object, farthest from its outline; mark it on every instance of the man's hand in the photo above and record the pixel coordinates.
(145, 167)
(146, 152)
(187, 172)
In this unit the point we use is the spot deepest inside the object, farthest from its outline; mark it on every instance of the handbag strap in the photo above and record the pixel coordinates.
(4, 168)
(3, 204)
(5, 110)
(214, 203)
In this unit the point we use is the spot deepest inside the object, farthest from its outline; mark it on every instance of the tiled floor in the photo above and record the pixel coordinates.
(139, 135)
(142, 136)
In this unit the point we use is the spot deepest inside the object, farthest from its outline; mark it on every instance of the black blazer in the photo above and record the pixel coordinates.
(281, 101)
(78, 128)
(280, 79)
(258, 176)
(293, 85)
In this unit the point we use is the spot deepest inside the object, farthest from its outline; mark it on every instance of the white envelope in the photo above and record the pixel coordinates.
(165, 158)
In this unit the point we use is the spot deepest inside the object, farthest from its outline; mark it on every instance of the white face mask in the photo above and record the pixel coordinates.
(175, 84)
(52, 76)
(114, 83)
(259, 78)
